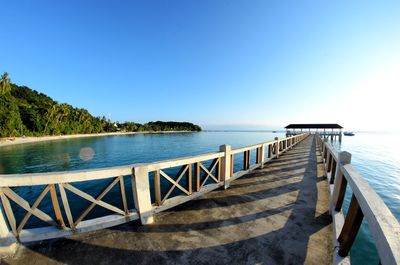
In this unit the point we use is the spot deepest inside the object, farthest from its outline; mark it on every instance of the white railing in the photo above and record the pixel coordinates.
(365, 202)
(196, 175)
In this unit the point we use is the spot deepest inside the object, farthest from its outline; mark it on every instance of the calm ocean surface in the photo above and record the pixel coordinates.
(374, 155)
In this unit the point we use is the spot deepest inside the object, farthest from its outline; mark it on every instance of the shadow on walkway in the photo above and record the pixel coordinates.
(275, 215)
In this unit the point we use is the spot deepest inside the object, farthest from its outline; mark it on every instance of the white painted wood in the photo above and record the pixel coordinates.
(246, 148)
(49, 232)
(177, 200)
(140, 185)
(15, 180)
(25, 205)
(277, 147)
(226, 164)
(9, 213)
(34, 206)
(4, 231)
(209, 174)
(174, 186)
(67, 210)
(175, 183)
(262, 155)
(344, 158)
(384, 227)
(96, 202)
(182, 161)
(141, 193)
(338, 221)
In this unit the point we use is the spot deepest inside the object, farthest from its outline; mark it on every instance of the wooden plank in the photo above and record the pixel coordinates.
(157, 187)
(67, 210)
(208, 172)
(350, 228)
(246, 160)
(339, 192)
(141, 194)
(219, 169)
(180, 174)
(50, 232)
(25, 205)
(56, 206)
(232, 164)
(99, 197)
(9, 213)
(340, 183)
(34, 206)
(247, 148)
(173, 182)
(333, 172)
(258, 155)
(383, 225)
(197, 174)
(183, 161)
(32, 179)
(189, 179)
(93, 200)
(329, 165)
(123, 194)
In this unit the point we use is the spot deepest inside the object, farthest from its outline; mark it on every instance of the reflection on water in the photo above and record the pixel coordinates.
(86, 153)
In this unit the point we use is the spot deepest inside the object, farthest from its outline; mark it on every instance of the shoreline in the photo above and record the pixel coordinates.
(9, 141)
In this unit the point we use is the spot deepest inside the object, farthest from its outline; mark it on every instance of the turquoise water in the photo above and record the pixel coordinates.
(374, 155)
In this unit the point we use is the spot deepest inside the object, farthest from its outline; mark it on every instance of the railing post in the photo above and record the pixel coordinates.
(325, 156)
(262, 150)
(141, 194)
(226, 164)
(350, 228)
(340, 184)
(277, 147)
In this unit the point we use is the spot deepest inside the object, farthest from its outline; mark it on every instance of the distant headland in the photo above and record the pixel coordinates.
(27, 113)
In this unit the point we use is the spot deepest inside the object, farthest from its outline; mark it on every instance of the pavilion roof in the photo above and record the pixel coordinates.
(314, 126)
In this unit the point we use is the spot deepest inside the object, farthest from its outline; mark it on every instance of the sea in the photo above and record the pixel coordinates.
(375, 155)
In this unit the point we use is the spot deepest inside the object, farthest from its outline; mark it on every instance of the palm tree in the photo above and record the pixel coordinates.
(5, 83)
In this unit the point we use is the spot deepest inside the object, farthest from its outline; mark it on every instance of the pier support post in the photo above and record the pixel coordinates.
(262, 150)
(8, 242)
(277, 147)
(226, 164)
(141, 194)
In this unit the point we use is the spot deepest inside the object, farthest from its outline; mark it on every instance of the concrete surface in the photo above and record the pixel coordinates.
(275, 215)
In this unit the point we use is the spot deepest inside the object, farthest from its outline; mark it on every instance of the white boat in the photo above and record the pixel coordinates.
(348, 133)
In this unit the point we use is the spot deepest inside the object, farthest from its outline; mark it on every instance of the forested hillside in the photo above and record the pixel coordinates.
(24, 111)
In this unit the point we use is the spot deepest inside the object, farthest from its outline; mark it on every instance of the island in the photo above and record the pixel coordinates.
(27, 112)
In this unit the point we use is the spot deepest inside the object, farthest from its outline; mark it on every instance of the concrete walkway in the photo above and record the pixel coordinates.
(275, 215)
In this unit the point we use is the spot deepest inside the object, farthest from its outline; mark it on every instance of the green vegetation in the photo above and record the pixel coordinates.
(24, 111)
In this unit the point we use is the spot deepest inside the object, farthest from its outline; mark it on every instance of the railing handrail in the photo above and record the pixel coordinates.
(33, 179)
(383, 225)
(58, 183)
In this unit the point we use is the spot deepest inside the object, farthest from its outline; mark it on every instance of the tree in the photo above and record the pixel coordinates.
(5, 83)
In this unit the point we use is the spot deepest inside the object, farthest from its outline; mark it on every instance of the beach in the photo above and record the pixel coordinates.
(7, 141)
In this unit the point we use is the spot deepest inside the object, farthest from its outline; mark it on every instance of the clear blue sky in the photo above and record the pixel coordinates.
(221, 64)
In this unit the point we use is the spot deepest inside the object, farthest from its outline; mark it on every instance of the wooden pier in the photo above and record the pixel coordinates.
(277, 209)
(324, 130)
